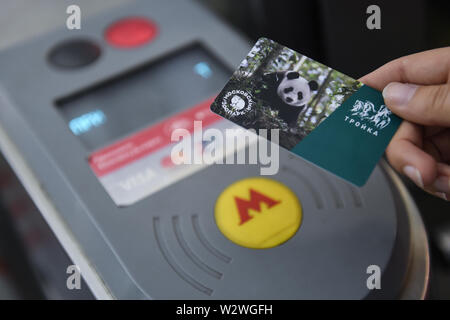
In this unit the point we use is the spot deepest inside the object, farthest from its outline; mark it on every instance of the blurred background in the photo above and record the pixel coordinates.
(332, 32)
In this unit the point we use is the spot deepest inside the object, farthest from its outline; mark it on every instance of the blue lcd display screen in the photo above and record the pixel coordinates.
(121, 106)
(87, 121)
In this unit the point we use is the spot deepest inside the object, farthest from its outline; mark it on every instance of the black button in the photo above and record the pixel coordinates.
(74, 54)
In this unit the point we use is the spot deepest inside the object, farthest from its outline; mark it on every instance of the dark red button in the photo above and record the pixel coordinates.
(131, 32)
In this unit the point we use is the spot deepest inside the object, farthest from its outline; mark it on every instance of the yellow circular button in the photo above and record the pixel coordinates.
(258, 213)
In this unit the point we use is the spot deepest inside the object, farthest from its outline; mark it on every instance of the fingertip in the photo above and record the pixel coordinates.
(414, 174)
(371, 81)
(413, 162)
(397, 95)
(442, 195)
(443, 169)
(425, 165)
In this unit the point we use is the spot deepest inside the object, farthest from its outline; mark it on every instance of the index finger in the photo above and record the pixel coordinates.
(424, 68)
(406, 149)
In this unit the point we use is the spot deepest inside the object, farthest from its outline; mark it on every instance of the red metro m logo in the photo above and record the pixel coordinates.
(254, 203)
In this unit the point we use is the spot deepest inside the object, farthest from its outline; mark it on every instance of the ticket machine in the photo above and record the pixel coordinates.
(85, 124)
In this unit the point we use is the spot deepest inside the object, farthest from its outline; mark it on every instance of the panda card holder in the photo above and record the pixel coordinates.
(318, 113)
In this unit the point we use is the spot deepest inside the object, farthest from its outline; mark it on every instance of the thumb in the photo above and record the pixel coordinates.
(426, 105)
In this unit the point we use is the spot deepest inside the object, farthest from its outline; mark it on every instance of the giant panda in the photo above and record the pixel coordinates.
(287, 92)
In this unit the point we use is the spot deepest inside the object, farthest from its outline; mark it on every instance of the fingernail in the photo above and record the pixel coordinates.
(441, 195)
(398, 94)
(442, 184)
(414, 175)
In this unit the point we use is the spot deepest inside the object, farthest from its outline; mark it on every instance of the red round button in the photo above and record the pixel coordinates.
(131, 32)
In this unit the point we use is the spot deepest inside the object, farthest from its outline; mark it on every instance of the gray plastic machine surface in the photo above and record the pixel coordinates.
(165, 244)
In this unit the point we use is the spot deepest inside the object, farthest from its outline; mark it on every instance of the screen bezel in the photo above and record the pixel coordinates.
(60, 102)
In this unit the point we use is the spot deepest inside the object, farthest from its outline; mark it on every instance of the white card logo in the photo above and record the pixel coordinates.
(366, 111)
(237, 103)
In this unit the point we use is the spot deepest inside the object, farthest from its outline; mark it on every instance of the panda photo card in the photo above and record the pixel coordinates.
(323, 116)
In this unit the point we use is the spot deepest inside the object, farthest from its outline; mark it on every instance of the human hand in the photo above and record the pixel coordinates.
(417, 89)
